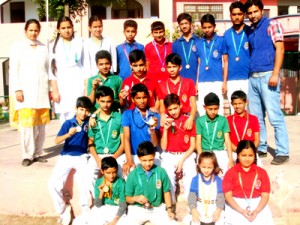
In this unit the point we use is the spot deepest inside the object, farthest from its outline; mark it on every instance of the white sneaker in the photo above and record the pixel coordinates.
(65, 217)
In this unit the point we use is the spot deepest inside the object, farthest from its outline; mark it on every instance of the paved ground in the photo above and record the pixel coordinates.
(24, 190)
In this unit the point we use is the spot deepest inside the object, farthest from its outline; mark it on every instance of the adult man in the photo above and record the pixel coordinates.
(237, 49)
(267, 52)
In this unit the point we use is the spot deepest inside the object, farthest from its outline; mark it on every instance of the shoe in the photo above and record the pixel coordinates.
(40, 159)
(280, 159)
(65, 216)
(26, 162)
(262, 154)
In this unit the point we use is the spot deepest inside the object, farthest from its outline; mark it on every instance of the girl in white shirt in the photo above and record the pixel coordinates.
(66, 69)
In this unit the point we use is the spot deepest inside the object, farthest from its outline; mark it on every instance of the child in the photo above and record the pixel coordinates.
(124, 49)
(66, 72)
(109, 205)
(104, 78)
(213, 132)
(96, 43)
(147, 190)
(178, 145)
(247, 189)
(156, 52)
(139, 124)
(106, 137)
(139, 75)
(73, 156)
(206, 199)
(186, 47)
(210, 50)
(183, 87)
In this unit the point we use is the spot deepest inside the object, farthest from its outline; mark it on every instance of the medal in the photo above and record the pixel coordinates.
(187, 66)
(147, 205)
(206, 68)
(187, 57)
(151, 121)
(207, 56)
(105, 189)
(100, 83)
(237, 49)
(163, 69)
(78, 128)
(161, 59)
(126, 88)
(237, 58)
(106, 150)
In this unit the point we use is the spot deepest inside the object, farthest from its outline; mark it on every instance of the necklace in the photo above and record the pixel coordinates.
(206, 201)
(106, 149)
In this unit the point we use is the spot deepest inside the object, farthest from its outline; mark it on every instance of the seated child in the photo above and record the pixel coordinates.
(247, 188)
(147, 191)
(73, 156)
(206, 199)
(109, 205)
(213, 132)
(178, 145)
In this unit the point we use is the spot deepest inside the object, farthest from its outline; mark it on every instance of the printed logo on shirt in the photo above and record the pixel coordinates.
(194, 48)
(158, 184)
(114, 134)
(249, 132)
(184, 97)
(215, 53)
(257, 184)
(246, 45)
(220, 134)
(186, 138)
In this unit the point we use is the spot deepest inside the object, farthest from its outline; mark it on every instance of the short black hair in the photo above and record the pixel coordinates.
(103, 54)
(139, 88)
(145, 148)
(103, 91)
(130, 23)
(84, 102)
(157, 25)
(109, 162)
(174, 59)
(208, 18)
(136, 55)
(239, 95)
(171, 99)
(250, 3)
(237, 5)
(211, 99)
(184, 16)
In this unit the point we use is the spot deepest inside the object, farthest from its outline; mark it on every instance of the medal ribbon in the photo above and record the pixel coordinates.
(144, 189)
(107, 194)
(125, 50)
(108, 132)
(214, 133)
(237, 51)
(187, 58)
(252, 189)
(147, 115)
(235, 130)
(210, 50)
(179, 88)
(206, 202)
(157, 52)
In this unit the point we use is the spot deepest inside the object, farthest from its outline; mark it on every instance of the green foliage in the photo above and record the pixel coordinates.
(177, 33)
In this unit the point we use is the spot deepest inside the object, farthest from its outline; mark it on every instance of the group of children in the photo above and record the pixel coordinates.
(158, 138)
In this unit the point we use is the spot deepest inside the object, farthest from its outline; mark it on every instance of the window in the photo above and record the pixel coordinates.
(197, 11)
(17, 12)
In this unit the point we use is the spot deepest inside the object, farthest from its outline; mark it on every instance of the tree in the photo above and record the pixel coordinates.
(58, 8)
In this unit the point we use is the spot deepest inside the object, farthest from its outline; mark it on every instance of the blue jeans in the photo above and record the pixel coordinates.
(265, 99)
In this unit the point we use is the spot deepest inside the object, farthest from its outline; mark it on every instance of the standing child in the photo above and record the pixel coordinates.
(147, 191)
(109, 204)
(73, 156)
(211, 50)
(104, 78)
(183, 87)
(178, 145)
(206, 199)
(124, 49)
(96, 43)
(139, 124)
(139, 75)
(156, 52)
(66, 69)
(186, 47)
(247, 189)
(213, 132)
(106, 136)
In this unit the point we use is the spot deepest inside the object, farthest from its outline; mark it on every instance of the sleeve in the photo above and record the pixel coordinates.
(220, 200)
(192, 88)
(265, 181)
(256, 127)
(225, 125)
(129, 186)
(275, 31)
(126, 120)
(96, 189)
(89, 86)
(192, 200)
(159, 92)
(165, 181)
(198, 126)
(174, 46)
(91, 132)
(14, 68)
(194, 185)
(120, 83)
(64, 128)
(227, 184)
(122, 208)
(122, 202)
(147, 51)
(158, 122)
(222, 46)
(193, 131)
(225, 48)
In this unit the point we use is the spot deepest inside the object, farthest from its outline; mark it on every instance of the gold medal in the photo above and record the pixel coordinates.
(105, 189)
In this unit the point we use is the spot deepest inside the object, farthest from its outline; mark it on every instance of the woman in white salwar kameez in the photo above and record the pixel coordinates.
(29, 92)
(247, 188)
(66, 69)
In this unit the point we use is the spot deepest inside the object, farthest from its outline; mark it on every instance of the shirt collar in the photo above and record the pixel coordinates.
(238, 116)
(240, 169)
(141, 171)
(133, 43)
(209, 120)
(193, 37)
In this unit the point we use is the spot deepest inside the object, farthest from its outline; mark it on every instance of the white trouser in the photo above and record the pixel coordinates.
(205, 88)
(188, 219)
(233, 217)
(32, 141)
(65, 116)
(61, 170)
(236, 85)
(170, 162)
(93, 169)
(156, 216)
